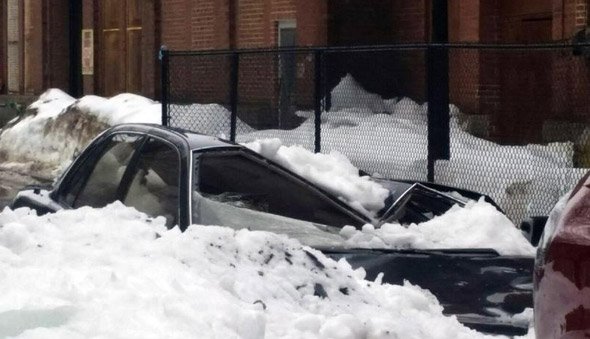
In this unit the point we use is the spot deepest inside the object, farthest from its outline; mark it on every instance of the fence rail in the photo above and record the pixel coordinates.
(509, 120)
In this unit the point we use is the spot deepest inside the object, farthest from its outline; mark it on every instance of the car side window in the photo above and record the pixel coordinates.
(153, 183)
(243, 182)
(99, 188)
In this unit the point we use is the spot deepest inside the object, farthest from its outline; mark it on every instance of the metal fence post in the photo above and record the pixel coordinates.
(326, 75)
(438, 88)
(318, 56)
(165, 81)
(233, 94)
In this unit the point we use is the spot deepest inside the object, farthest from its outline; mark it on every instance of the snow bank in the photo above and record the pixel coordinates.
(61, 280)
(333, 171)
(58, 126)
(477, 225)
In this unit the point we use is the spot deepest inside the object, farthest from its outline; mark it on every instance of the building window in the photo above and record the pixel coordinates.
(287, 33)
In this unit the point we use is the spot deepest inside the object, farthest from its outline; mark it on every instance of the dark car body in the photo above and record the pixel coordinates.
(562, 269)
(180, 175)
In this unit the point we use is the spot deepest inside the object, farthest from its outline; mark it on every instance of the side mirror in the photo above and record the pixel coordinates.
(533, 227)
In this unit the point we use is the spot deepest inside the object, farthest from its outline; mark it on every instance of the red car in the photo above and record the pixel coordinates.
(562, 269)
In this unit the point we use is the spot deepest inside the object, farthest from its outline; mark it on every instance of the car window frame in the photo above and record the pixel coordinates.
(406, 195)
(96, 150)
(281, 171)
(127, 177)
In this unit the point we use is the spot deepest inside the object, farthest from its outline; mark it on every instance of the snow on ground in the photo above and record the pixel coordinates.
(114, 273)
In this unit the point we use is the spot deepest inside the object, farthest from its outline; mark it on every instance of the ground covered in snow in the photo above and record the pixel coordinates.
(115, 273)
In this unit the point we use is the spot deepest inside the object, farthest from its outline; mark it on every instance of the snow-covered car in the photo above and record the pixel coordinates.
(189, 178)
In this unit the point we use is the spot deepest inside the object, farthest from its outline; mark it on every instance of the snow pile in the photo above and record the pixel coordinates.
(61, 280)
(477, 225)
(58, 126)
(349, 94)
(122, 108)
(389, 137)
(333, 172)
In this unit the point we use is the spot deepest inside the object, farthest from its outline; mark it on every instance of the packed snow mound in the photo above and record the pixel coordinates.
(332, 171)
(78, 273)
(476, 225)
(350, 94)
(57, 126)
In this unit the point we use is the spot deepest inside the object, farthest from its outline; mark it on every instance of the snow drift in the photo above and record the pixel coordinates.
(78, 274)
(57, 126)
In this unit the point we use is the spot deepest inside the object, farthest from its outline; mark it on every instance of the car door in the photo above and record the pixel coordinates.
(152, 183)
(140, 171)
(95, 177)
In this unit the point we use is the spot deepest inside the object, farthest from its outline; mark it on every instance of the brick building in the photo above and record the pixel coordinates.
(110, 46)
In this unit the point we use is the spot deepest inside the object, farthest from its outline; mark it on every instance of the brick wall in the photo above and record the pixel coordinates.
(411, 20)
(515, 88)
(207, 24)
(570, 82)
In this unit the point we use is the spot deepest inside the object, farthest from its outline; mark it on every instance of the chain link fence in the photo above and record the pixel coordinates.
(517, 115)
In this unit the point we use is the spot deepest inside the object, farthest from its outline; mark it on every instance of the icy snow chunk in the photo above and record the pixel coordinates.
(333, 172)
(477, 225)
(349, 94)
